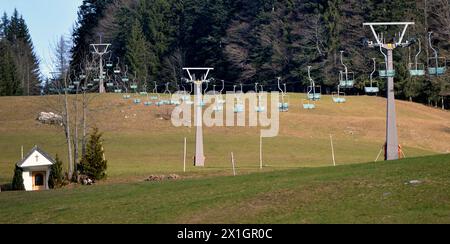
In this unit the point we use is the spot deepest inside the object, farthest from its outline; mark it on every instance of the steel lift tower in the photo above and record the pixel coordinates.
(198, 114)
(101, 49)
(392, 146)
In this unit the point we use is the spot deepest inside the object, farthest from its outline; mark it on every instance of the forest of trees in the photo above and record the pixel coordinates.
(245, 41)
(19, 66)
(256, 41)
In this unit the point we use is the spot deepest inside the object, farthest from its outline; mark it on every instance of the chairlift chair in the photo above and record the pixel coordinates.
(219, 102)
(384, 71)
(416, 68)
(133, 84)
(338, 97)
(109, 83)
(314, 92)
(372, 89)
(346, 78)
(125, 76)
(167, 94)
(239, 106)
(155, 95)
(259, 107)
(116, 69)
(308, 105)
(440, 63)
(283, 106)
(144, 92)
(187, 97)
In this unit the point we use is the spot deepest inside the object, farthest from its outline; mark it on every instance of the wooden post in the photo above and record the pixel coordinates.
(232, 164)
(332, 150)
(184, 155)
(379, 154)
(260, 153)
(21, 151)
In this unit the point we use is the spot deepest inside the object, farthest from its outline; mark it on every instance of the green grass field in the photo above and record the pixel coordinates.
(359, 193)
(138, 143)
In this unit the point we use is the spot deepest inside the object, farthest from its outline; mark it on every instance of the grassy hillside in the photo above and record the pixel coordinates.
(360, 193)
(139, 143)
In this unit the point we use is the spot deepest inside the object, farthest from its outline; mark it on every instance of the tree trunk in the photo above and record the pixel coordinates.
(75, 138)
(83, 139)
(67, 129)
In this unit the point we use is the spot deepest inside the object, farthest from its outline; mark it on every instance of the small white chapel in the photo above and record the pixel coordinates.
(36, 169)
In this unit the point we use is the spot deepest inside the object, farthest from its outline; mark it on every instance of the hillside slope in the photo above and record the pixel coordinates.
(138, 142)
(364, 193)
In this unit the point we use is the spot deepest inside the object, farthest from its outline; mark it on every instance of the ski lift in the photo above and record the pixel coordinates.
(338, 97)
(133, 85)
(239, 107)
(217, 106)
(167, 94)
(187, 97)
(117, 68)
(76, 82)
(137, 101)
(308, 105)
(71, 87)
(174, 101)
(218, 97)
(440, 63)
(144, 89)
(371, 88)
(109, 63)
(283, 106)
(155, 95)
(346, 78)
(259, 108)
(117, 90)
(82, 76)
(416, 68)
(314, 92)
(125, 76)
(109, 83)
(384, 71)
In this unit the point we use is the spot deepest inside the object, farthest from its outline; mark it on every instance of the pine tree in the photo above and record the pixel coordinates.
(93, 164)
(137, 52)
(55, 178)
(9, 82)
(26, 62)
(4, 22)
(17, 182)
(89, 14)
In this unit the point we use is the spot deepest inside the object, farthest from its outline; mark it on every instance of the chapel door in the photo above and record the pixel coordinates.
(38, 181)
